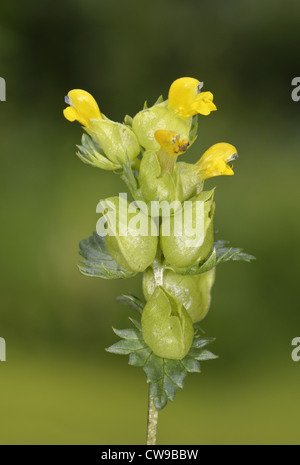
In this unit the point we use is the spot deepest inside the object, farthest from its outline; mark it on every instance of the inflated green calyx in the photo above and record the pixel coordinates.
(166, 325)
(188, 242)
(193, 291)
(156, 185)
(130, 239)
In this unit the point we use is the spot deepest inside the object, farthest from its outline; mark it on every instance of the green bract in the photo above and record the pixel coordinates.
(147, 121)
(115, 139)
(188, 237)
(189, 179)
(167, 327)
(193, 291)
(129, 240)
(154, 184)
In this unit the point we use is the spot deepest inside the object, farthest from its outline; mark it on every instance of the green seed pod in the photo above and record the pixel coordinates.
(130, 235)
(193, 291)
(146, 122)
(189, 236)
(166, 325)
(156, 185)
(115, 139)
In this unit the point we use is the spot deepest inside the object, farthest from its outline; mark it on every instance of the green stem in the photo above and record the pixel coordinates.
(152, 422)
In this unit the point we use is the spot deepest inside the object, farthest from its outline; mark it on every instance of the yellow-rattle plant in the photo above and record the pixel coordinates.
(166, 232)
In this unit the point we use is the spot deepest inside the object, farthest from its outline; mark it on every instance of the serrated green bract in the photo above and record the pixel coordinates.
(117, 140)
(130, 179)
(97, 260)
(220, 254)
(92, 154)
(165, 376)
(131, 301)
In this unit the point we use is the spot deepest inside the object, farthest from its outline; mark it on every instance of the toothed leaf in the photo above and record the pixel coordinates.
(220, 254)
(165, 376)
(131, 301)
(97, 260)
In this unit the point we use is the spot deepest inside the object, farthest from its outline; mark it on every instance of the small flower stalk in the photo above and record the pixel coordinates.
(166, 232)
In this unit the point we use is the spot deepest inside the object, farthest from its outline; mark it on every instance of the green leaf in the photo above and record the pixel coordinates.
(206, 355)
(139, 357)
(97, 260)
(130, 333)
(200, 342)
(175, 371)
(160, 398)
(131, 301)
(220, 254)
(168, 388)
(154, 368)
(90, 144)
(96, 160)
(191, 365)
(126, 346)
(128, 176)
(165, 376)
(136, 323)
(92, 154)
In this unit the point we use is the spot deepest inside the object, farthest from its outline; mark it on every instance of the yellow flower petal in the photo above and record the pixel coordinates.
(203, 103)
(171, 142)
(186, 98)
(215, 161)
(83, 107)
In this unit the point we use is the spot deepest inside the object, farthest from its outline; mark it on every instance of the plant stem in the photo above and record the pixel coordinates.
(152, 422)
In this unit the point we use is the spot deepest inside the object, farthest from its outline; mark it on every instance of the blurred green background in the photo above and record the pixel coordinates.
(58, 385)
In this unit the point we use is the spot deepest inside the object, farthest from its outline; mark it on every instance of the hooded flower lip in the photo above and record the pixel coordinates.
(186, 98)
(171, 142)
(82, 107)
(216, 161)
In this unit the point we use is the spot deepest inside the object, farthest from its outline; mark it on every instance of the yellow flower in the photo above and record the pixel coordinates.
(83, 107)
(186, 98)
(171, 142)
(215, 161)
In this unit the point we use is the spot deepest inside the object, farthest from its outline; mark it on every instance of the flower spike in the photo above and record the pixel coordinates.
(83, 107)
(186, 98)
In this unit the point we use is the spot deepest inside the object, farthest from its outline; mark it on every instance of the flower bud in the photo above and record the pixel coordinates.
(166, 325)
(194, 292)
(115, 139)
(130, 235)
(158, 117)
(188, 238)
